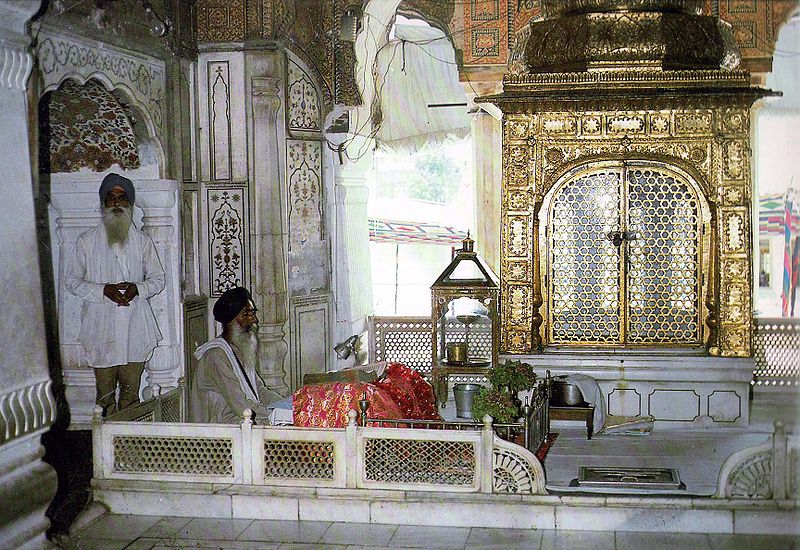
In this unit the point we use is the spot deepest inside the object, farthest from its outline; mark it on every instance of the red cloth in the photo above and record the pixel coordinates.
(401, 394)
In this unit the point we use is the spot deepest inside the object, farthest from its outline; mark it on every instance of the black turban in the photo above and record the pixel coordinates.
(230, 304)
(111, 181)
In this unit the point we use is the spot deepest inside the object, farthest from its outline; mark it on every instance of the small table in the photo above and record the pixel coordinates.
(575, 412)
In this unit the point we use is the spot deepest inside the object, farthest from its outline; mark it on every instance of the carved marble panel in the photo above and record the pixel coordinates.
(141, 77)
(680, 405)
(227, 237)
(304, 171)
(304, 105)
(624, 402)
(310, 337)
(724, 406)
(219, 120)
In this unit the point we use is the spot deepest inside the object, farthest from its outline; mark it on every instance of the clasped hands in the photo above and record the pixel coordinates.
(121, 293)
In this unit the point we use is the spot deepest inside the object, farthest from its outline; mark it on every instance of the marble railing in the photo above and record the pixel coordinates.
(355, 457)
(770, 471)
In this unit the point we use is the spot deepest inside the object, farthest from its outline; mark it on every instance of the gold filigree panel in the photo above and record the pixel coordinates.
(518, 238)
(733, 158)
(220, 20)
(734, 231)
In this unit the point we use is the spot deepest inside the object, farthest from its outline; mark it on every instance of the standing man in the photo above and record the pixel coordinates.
(115, 270)
(226, 381)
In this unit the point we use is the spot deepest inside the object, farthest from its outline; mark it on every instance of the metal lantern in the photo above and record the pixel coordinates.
(465, 320)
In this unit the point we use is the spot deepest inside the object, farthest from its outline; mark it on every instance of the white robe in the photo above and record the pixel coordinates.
(222, 387)
(111, 334)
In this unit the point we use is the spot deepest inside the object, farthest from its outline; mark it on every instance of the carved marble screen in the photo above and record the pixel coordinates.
(624, 257)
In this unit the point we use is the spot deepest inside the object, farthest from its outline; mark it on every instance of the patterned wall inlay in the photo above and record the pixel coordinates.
(227, 230)
(25, 410)
(142, 78)
(305, 191)
(303, 112)
(219, 114)
(87, 128)
(220, 20)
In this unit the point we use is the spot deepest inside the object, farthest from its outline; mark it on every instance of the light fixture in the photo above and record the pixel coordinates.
(346, 348)
(158, 25)
(350, 25)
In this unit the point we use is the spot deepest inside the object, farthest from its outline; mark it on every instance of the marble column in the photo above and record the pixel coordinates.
(351, 254)
(487, 146)
(27, 407)
(269, 231)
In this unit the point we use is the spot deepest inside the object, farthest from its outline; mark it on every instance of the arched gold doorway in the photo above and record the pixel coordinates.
(625, 256)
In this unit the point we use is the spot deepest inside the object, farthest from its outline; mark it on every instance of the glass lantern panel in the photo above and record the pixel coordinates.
(466, 270)
(465, 333)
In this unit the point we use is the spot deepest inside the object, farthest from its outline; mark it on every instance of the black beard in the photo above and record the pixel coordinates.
(117, 224)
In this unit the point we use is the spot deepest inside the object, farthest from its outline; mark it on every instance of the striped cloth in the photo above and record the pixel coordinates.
(414, 232)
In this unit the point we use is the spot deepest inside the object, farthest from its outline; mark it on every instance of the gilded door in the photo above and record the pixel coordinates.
(624, 257)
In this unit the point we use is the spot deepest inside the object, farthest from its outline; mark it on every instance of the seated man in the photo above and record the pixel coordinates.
(226, 382)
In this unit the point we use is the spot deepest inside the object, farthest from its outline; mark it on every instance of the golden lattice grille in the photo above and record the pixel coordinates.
(585, 288)
(173, 455)
(663, 259)
(412, 461)
(298, 459)
(624, 258)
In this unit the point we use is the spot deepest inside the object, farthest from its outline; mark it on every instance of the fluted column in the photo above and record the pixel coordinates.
(27, 407)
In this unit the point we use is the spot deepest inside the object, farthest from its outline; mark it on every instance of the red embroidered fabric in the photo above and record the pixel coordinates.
(402, 393)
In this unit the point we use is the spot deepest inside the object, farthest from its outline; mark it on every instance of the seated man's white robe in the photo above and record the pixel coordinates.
(222, 389)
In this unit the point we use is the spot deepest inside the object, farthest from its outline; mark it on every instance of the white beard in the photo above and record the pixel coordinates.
(117, 224)
(245, 345)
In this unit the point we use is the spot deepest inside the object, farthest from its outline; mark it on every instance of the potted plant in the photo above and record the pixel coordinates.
(496, 404)
(513, 375)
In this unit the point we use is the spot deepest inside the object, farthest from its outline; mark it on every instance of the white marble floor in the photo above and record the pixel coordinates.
(112, 532)
(697, 454)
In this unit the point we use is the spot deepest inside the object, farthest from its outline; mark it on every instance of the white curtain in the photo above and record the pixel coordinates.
(415, 69)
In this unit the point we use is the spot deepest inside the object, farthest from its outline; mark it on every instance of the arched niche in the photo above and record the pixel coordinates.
(138, 80)
(87, 126)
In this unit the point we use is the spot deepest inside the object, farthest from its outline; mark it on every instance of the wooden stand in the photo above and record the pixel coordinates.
(575, 412)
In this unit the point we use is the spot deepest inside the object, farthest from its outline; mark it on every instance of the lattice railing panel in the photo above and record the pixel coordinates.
(425, 462)
(173, 455)
(406, 340)
(776, 345)
(299, 459)
(171, 409)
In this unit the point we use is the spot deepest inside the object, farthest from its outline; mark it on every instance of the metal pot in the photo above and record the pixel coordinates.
(562, 393)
